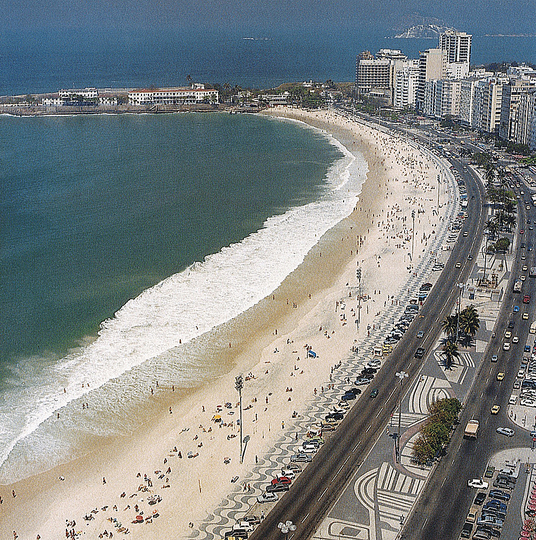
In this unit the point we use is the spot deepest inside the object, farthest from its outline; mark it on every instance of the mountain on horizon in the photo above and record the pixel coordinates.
(423, 31)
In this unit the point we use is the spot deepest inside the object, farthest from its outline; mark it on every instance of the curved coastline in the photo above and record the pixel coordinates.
(291, 317)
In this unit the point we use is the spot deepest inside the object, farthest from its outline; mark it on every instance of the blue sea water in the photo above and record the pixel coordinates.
(47, 60)
(125, 238)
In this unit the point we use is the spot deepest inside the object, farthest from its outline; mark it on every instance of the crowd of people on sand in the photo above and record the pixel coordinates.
(147, 488)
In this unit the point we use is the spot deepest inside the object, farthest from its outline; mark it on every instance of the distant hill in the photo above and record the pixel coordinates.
(423, 31)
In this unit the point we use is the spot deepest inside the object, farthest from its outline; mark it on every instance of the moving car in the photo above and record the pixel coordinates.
(506, 346)
(420, 334)
(494, 358)
(419, 353)
(374, 393)
(509, 432)
(500, 376)
(495, 409)
(508, 334)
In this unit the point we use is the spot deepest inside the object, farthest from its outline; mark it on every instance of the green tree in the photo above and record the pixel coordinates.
(469, 321)
(450, 325)
(450, 353)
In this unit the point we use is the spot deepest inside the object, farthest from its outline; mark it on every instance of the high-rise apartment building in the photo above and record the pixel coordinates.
(458, 46)
(432, 66)
(375, 75)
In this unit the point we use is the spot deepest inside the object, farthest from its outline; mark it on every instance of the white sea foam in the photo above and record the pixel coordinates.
(140, 344)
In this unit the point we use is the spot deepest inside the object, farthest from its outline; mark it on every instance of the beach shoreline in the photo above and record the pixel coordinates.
(267, 345)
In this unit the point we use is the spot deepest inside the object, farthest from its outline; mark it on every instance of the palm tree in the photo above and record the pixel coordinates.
(450, 326)
(493, 227)
(450, 353)
(469, 321)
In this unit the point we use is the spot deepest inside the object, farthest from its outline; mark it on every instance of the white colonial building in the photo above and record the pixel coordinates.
(173, 96)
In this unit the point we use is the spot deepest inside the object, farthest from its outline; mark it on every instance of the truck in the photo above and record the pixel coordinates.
(517, 285)
(471, 429)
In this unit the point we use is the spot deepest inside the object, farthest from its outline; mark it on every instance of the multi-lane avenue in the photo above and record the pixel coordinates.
(316, 489)
(445, 501)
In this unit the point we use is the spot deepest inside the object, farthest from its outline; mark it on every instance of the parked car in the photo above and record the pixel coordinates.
(348, 396)
(467, 530)
(276, 488)
(480, 498)
(500, 495)
(267, 497)
(281, 480)
(363, 380)
(477, 483)
(490, 520)
(287, 473)
(496, 504)
(301, 458)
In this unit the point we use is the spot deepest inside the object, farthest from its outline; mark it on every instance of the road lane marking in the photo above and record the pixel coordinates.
(379, 412)
(356, 446)
(367, 430)
(305, 517)
(322, 494)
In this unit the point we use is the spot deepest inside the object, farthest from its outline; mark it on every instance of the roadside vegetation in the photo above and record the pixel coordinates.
(436, 432)
(461, 329)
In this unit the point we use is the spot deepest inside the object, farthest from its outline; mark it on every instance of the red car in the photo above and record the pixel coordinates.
(526, 299)
(281, 480)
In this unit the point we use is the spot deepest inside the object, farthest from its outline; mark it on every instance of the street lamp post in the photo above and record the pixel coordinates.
(413, 235)
(401, 375)
(461, 287)
(286, 527)
(239, 384)
(438, 184)
(358, 276)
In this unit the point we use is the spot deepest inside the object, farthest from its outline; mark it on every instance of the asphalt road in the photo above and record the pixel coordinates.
(444, 503)
(315, 491)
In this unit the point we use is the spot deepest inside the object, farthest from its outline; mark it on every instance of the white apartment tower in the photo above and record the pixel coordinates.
(458, 46)
(406, 83)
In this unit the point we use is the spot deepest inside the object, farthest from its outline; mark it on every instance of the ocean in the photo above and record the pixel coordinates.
(47, 60)
(126, 241)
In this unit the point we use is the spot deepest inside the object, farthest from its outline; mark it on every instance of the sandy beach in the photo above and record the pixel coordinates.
(177, 470)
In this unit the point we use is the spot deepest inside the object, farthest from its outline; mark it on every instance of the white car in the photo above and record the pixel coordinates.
(506, 346)
(267, 497)
(512, 400)
(307, 449)
(509, 432)
(528, 403)
(477, 483)
(286, 472)
(374, 363)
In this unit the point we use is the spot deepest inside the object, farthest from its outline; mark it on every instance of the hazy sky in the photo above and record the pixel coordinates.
(505, 16)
